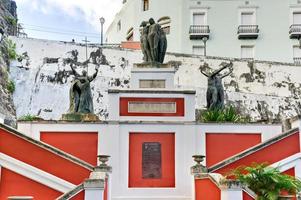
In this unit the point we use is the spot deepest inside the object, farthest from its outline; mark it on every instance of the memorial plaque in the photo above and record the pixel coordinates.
(151, 160)
(152, 84)
(152, 107)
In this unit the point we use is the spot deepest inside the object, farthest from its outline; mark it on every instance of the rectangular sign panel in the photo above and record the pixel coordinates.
(151, 160)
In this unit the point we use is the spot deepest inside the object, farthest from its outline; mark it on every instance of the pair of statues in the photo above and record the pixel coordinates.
(153, 41)
(215, 90)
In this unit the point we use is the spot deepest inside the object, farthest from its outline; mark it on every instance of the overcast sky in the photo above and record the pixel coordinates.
(66, 19)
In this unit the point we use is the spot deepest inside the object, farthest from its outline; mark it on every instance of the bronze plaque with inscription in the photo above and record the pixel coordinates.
(151, 160)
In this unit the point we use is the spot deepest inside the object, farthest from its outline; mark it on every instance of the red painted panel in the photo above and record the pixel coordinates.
(81, 144)
(131, 45)
(270, 154)
(124, 103)
(105, 193)
(220, 146)
(13, 184)
(41, 158)
(79, 196)
(290, 172)
(245, 196)
(167, 141)
(205, 189)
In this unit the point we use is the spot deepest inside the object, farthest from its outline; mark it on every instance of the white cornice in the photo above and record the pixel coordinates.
(35, 174)
(199, 7)
(295, 6)
(248, 6)
(289, 162)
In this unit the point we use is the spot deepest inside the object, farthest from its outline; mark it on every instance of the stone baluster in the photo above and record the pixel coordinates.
(95, 186)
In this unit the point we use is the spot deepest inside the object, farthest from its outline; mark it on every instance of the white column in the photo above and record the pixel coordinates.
(227, 194)
(231, 189)
(94, 189)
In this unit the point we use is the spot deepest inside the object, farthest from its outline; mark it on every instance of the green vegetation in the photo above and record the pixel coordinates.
(222, 115)
(10, 20)
(267, 182)
(29, 117)
(10, 48)
(11, 86)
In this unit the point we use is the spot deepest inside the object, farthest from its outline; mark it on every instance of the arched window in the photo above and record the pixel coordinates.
(130, 34)
(119, 25)
(165, 24)
(145, 5)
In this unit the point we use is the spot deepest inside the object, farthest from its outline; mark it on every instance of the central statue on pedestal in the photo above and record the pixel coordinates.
(153, 42)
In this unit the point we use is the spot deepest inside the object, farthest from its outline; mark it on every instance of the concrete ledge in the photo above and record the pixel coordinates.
(151, 91)
(94, 184)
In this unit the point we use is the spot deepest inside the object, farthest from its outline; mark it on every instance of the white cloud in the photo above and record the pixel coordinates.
(91, 10)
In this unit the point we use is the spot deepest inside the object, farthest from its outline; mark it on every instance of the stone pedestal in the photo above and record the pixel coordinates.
(150, 75)
(79, 117)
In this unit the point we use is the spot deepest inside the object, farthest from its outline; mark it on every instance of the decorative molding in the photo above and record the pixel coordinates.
(199, 7)
(35, 174)
(295, 6)
(288, 163)
(248, 6)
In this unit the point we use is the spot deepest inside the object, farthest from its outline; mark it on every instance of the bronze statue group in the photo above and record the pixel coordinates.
(153, 46)
(153, 41)
(215, 90)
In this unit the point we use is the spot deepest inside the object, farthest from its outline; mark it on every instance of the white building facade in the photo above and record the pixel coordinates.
(257, 29)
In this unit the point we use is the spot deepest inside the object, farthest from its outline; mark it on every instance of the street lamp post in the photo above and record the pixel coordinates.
(102, 21)
(205, 39)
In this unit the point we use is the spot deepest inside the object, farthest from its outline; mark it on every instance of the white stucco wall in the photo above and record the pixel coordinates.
(263, 90)
(273, 18)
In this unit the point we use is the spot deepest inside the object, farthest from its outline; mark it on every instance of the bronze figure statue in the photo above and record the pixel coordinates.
(215, 90)
(153, 41)
(144, 42)
(81, 100)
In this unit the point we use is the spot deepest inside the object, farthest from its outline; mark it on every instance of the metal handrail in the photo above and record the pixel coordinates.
(248, 29)
(295, 28)
(199, 29)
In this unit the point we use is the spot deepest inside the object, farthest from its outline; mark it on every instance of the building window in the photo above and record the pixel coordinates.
(297, 55)
(130, 34)
(198, 50)
(165, 24)
(199, 19)
(145, 5)
(247, 52)
(247, 18)
(297, 18)
(119, 25)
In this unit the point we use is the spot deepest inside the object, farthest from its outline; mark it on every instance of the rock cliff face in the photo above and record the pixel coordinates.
(265, 91)
(8, 16)
(8, 26)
